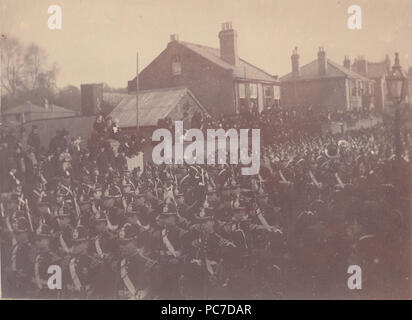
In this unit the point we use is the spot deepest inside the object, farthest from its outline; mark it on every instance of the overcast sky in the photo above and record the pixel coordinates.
(99, 39)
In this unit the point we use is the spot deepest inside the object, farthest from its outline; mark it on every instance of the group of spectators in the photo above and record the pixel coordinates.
(320, 204)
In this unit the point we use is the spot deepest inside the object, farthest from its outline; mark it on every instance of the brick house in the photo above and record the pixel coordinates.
(220, 80)
(324, 86)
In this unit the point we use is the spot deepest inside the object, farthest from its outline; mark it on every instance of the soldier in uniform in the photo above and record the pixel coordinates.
(137, 271)
(62, 227)
(104, 248)
(44, 259)
(20, 273)
(80, 267)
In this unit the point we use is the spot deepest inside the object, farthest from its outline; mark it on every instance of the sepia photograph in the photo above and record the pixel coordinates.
(206, 150)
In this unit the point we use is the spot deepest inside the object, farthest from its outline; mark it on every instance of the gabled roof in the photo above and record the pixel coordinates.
(333, 70)
(242, 70)
(153, 105)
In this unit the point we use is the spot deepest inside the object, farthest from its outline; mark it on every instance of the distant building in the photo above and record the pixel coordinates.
(28, 111)
(325, 86)
(220, 80)
(376, 71)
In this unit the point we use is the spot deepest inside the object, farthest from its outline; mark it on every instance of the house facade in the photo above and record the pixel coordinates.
(220, 80)
(325, 86)
(376, 71)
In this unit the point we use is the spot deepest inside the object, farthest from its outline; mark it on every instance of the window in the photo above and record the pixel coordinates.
(253, 97)
(268, 92)
(276, 92)
(253, 91)
(242, 97)
(353, 88)
(176, 66)
(242, 92)
(276, 95)
(268, 95)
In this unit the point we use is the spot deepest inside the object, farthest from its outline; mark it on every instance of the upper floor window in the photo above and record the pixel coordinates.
(176, 66)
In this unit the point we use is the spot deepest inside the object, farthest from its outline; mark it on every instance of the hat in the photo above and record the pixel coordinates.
(127, 232)
(80, 234)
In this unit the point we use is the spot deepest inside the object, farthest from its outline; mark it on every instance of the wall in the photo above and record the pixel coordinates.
(76, 126)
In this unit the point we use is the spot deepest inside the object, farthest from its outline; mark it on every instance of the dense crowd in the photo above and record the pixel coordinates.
(320, 204)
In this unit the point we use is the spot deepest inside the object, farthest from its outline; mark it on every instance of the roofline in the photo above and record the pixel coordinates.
(228, 68)
(37, 112)
(156, 89)
(345, 74)
(58, 118)
(268, 74)
(321, 79)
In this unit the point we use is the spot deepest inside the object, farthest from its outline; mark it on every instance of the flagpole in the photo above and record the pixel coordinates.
(137, 92)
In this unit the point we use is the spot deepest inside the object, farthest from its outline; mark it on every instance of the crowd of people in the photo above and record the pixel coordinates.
(320, 204)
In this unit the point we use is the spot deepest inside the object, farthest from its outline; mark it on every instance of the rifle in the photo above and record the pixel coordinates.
(28, 215)
(76, 205)
(2, 210)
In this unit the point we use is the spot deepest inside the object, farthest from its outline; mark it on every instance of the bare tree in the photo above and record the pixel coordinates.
(12, 75)
(35, 60)
(26, 74)
(38, 74)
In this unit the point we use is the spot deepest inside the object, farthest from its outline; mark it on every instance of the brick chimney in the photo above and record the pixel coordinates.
(322, 63)
(228, 44)
(346, 62)
(361, 66)
(295, 62)
(174, 37)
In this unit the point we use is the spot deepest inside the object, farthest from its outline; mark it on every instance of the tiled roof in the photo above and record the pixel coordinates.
(153, 105)
(333, 70)
(242, 70)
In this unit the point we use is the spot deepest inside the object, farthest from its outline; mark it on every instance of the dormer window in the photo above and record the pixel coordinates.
(176, 66)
